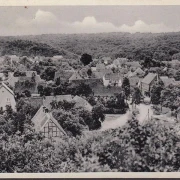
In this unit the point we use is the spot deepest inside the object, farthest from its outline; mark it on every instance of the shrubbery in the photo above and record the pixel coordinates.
(152, 147)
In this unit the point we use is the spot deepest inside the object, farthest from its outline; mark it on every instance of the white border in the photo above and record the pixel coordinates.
(94, 3)
(93, 175)
(86, 2)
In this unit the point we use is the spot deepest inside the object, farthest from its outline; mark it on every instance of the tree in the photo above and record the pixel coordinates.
(27, 93)
(58, 81)
(136, 97)
(156, 93)
(97, 116)
(126, 87)
(176, 56)
(69, 122)
(82, 89)
(19, 73)
(33, 78)
(47, 91)
(48, 73)
(169, 97)
(89, 72)
(40, 90)
(86, 59)
(177, 76)
(120, 103)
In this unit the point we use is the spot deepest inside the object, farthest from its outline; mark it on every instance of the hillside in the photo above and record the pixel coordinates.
(136, 46)
(16, 46)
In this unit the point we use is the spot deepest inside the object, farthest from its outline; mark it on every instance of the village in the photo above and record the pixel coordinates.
(111, 87)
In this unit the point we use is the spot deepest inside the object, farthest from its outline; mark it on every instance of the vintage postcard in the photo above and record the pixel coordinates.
(89, 89)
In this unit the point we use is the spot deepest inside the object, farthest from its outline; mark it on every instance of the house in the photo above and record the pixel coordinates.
(2, 77)
(134, 81)
(133, 64)
(147, 82)
(6, 97)
(21, 67)
(81, 102)
(30, 73)
(110, 66)
(120, 62)
(64, 75)
(11, 79)
(106, 60)
(93, 69)
(100, 74)
(112, 79)
(174, 64)
(166, 80)
(100, 67)
(48, 99)
(45, 123)
(58, 57)
(75, 76)
(138, 72)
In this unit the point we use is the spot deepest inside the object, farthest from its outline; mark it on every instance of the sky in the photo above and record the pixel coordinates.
(88, 19)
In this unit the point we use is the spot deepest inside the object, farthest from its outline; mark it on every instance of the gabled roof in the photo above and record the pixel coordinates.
(100, 66)
(100, 74)
(134, 80)
(41, 118)
(167, 81)
(81, 102)
(174, 61)
(75, 76)
(63, 74)
(120, 61)
(7, 88)
(133, 64)
(113, 76)
(106, 58)
(139, 71)
(48, 99)
(149, 78)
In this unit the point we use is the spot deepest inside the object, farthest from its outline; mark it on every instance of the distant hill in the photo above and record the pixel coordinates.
(138, 46)
(19, 47)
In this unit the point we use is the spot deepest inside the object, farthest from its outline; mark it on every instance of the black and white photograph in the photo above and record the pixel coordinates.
(92, 88)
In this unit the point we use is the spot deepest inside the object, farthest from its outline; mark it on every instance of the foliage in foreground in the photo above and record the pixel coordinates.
(134, 147)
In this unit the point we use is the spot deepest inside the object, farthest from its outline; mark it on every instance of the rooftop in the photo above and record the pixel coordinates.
(149, 78)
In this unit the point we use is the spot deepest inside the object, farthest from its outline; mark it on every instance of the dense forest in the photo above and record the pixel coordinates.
(15, 46)
(138, 46)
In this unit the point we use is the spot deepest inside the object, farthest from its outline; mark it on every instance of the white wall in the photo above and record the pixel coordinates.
(105, 82)
(6, 98)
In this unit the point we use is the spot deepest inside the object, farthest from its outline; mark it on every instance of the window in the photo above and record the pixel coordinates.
(51, 130)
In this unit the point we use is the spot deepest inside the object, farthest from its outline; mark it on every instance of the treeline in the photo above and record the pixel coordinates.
(138, 46)
(28, 48)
